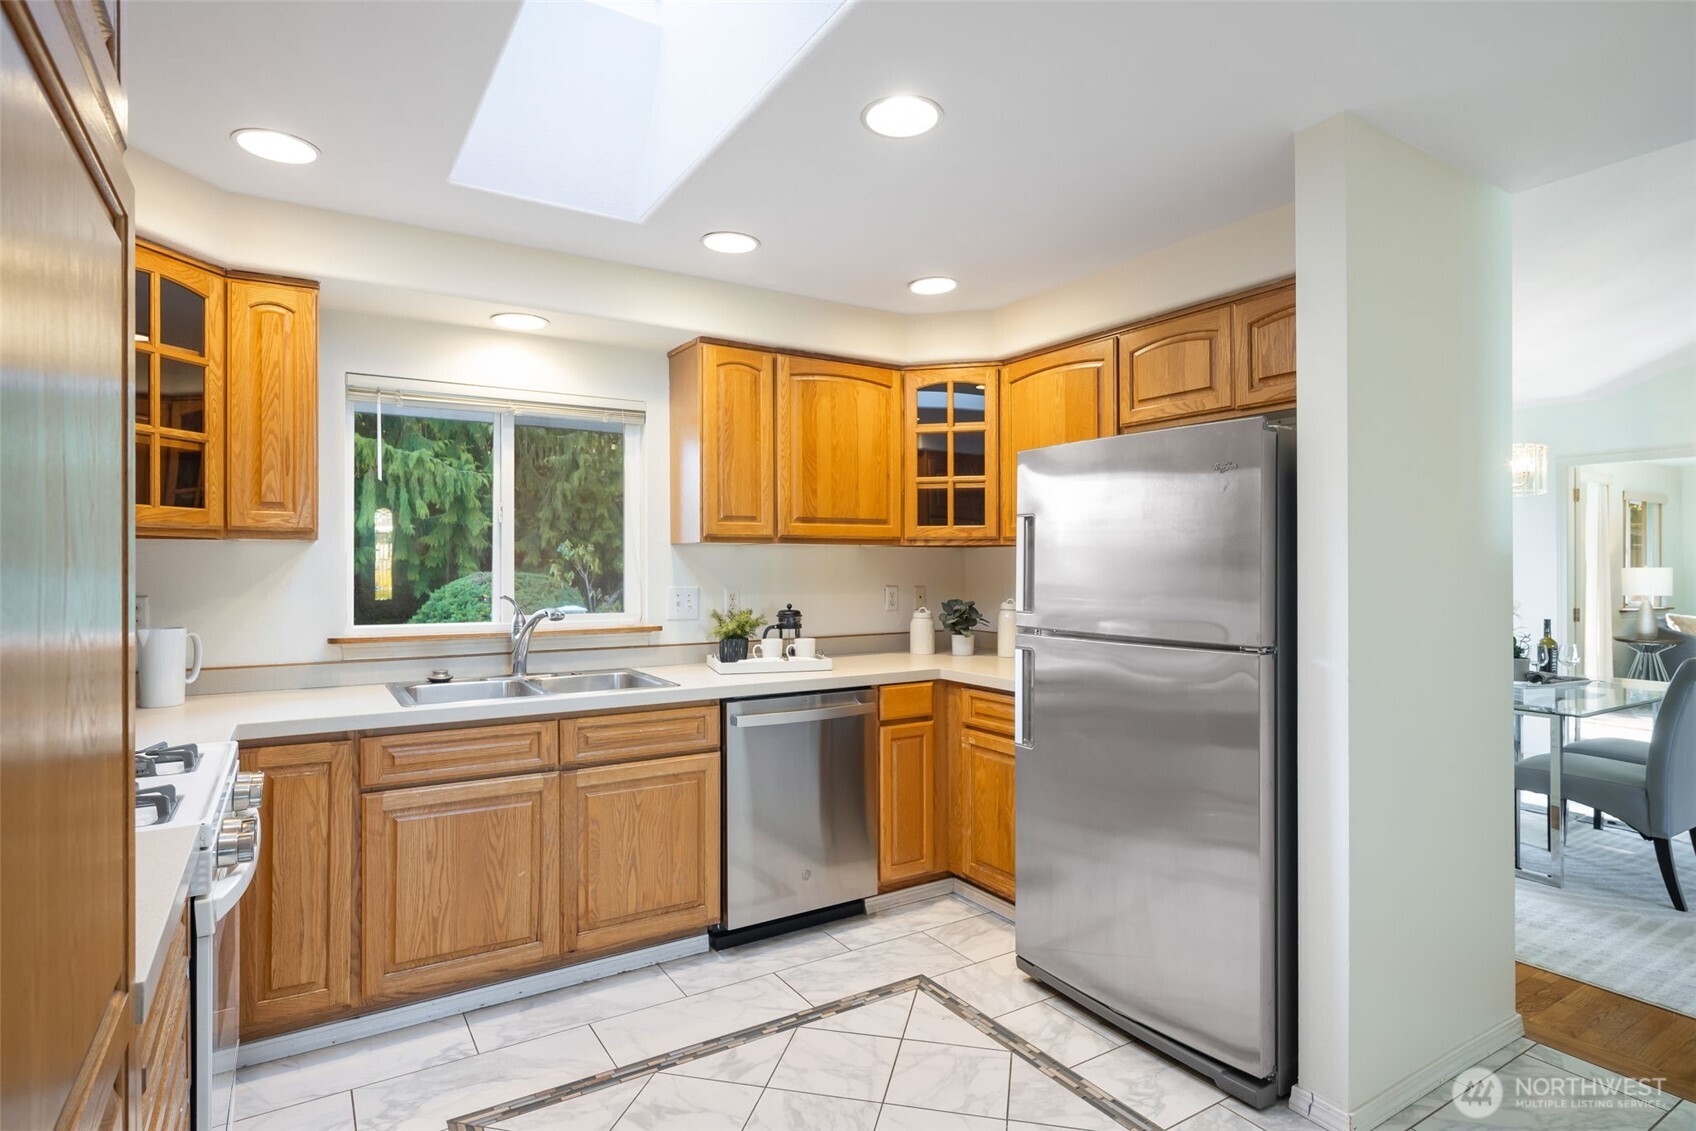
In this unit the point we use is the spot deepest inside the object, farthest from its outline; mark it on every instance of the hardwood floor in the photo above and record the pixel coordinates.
(1618, 1033)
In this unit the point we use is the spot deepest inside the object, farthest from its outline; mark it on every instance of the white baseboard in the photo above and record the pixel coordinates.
(1325, 1113)
(389, 1020)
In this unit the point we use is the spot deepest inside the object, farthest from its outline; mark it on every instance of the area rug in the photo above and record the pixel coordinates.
(1612, 925)
(1091, 1107)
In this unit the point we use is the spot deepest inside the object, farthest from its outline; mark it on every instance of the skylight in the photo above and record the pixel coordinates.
(605, 105)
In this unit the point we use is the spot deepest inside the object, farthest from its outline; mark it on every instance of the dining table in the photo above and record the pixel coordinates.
(1564, 704)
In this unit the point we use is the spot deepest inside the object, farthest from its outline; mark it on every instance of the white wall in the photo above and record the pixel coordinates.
(1406, 939)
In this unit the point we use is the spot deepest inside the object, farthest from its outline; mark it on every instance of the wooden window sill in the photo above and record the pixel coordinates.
(498, 634)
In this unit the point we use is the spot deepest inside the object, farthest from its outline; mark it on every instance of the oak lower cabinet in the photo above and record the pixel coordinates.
(461, 884)
(297, 918)
(911, 812)
(981, 777)
(641, 850)
(165, 1048)
(1052, 398)
(838, 451)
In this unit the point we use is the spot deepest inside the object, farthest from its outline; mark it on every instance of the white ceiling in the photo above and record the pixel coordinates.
(1075, 136)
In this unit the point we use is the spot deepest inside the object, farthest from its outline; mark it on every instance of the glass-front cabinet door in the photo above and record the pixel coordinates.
(179, 395)
(950, 436)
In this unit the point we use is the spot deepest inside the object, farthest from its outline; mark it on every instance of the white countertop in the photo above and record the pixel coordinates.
(249, 716)
(162, 858)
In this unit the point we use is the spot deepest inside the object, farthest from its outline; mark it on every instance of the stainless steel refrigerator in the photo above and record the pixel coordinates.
(1154, 723)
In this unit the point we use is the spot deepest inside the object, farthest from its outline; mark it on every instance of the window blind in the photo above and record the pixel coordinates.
(400, 392)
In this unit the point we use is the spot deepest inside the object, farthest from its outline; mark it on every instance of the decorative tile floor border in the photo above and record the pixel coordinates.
(1115, 1110)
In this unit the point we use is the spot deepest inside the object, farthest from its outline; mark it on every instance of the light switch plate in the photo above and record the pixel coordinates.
(683, 602)
(891, 598)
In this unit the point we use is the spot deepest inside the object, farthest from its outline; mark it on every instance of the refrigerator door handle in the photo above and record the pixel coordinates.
(1024, 541)
(1023, 663)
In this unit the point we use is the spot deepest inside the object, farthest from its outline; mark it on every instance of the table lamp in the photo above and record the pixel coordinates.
(1646, 583)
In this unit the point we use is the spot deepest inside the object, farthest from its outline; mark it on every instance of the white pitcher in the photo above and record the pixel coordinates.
(160, 675)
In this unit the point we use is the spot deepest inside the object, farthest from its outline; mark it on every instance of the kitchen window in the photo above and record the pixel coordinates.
(462, 495)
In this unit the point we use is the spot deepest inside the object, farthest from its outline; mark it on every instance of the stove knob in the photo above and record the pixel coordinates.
(237, 839)
(249, 790)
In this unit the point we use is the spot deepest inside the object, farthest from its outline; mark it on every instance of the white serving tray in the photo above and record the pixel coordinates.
(768, 667)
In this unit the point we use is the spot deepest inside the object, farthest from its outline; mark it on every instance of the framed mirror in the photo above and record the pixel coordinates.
(1642, 542)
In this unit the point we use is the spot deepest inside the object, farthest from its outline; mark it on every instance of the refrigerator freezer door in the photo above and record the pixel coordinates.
(1145, 838)
(1164, 535)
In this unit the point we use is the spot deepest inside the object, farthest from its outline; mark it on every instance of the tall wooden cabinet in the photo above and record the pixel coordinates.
(950, 439)
(1053, 398)
(723, 444)
(272, 418)
(838, 453)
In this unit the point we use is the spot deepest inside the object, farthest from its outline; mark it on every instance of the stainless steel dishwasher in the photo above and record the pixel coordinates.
(800, 811)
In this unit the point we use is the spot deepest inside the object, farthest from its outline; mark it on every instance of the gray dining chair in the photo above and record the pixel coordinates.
(1654, 794)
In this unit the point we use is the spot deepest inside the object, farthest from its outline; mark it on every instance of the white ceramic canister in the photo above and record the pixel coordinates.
(161, 677)
(1006, 628)
(921, 634)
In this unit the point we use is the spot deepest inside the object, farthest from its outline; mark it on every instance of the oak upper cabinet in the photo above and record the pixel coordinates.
(982, 779)
(910, 842)
(1052, 398)
(723, 444)
(838, 451)
(949, 438)
(641, 850)
(271, 453)
(1263, 351)
(179, 395)
(461, 884)
(298, 915)
(1177, 367)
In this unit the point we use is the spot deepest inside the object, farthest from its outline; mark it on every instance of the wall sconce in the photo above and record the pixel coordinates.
(1530, 465)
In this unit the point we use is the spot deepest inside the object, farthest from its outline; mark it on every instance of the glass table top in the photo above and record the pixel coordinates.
(1580, 700)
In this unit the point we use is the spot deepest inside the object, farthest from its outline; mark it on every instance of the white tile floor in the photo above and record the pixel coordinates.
(900, 1064)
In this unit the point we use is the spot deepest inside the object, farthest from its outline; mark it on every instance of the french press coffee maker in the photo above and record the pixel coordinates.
(788, 625)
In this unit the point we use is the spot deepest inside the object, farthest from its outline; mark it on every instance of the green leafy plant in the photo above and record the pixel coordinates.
(467, 598)
(735, 623)
(961, 617)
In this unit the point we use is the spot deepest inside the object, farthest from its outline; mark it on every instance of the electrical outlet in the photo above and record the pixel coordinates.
(683, 602)
(732, 600)
(891, 598)
(918, 596)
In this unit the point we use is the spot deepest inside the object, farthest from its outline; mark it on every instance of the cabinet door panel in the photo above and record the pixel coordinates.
(297, 917)
(950, 475)
(987, 834)
(909, 844)
(458, 753)
(839, 430)
(272, 374)
(738, 433)
(461, 884)
(638, 734)
(1176, 367)
(1264, 349)
(641, 850)
(1053, 398)
(180, 397)
(990, 711)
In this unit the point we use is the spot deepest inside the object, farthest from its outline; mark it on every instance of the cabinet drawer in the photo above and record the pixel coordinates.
(463, 752)
(989, 711)
(593, 739)
(898, 701)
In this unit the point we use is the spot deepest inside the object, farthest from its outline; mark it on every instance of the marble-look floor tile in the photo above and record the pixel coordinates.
(971, 1081)
(1158, 1089)
(1034, 1098)
(801, 1111)
(1065, 1038)
(433, 1096)
(995, 986)
(751, 1063)
(886, 1017)
(1216, 1118)
(595, 1111)
(1506, 1053)
(908, 919)
(1403, 1120)
(978, 938)
(897, 1118)
(682, 1103)
(329, 1113)
(674, 1024)
(871, 967)
(1680, 1118)
(322, 1072)
(934, 1022)
(701, 972)
(851, 1065)
(1279, 1117)
(1530, 1104)
(1623, 1085)
(497, 1026)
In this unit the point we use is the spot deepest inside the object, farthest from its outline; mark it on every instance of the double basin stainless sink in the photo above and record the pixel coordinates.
(521, 687)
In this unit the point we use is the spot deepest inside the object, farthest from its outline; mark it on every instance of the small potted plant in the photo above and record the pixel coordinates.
(961, 619)
(732, 630)
(1521, 652)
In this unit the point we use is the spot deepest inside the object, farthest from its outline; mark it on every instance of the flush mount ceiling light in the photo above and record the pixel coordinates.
(932, 285)
(274, 145)
(730, 243)
(512, 320)
(901, 115)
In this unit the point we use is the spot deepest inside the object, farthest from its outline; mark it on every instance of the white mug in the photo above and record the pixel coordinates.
(768, 649)
(160, 675)
(802, 648)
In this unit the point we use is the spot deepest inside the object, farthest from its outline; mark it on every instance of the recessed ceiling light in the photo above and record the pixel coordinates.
(901, 115)
(512, 320)
(274, 145)
(730, 243)
(932, 285)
